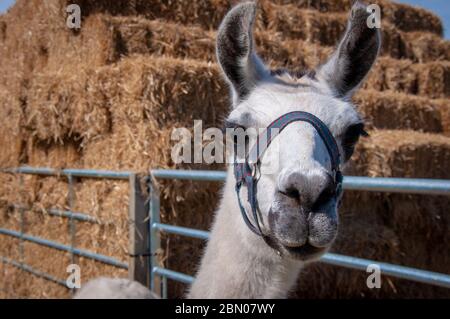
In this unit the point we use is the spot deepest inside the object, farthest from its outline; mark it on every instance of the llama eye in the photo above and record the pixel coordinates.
(232, 125)
(351, 137)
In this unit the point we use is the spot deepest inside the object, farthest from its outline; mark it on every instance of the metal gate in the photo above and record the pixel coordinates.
(146, 226)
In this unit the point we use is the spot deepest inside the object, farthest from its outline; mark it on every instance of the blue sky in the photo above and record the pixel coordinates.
(440, 7)
(5, 4)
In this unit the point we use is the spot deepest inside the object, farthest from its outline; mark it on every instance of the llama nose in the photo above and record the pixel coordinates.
(311, 188)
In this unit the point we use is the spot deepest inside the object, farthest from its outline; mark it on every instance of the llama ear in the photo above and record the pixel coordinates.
(240, 64)
(355, 55)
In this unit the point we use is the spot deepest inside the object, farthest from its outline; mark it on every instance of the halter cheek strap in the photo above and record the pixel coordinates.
(246, 176)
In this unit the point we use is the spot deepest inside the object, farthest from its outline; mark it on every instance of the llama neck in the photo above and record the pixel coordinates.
(238, 263)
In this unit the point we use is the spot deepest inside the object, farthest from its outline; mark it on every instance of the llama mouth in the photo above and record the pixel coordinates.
(304, 252)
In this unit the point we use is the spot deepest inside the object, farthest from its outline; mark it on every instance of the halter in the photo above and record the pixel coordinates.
(245, 175)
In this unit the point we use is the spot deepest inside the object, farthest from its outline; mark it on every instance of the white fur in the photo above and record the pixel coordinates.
(238, 263)
(114, 288)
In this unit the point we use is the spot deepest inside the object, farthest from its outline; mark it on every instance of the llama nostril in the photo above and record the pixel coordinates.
(292, 193)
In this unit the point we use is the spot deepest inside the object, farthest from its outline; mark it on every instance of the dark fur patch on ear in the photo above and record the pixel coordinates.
(234, 44)
(235, 51)
(359, 47)
(355, 55)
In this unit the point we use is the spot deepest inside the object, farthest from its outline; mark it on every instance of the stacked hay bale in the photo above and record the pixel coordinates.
(108, 96)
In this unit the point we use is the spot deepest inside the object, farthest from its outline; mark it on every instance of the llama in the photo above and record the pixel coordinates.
(298, 203)
(114, 288)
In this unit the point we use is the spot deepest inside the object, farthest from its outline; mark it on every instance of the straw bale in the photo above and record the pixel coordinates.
(132, 35)
(205, 13)
(29, 29)
(409, 18)
(414, 154)
(434, 79)
(12, 287)
(321, 28)
(388, 110)
(142, 36)
(385, 76)
(127, 35)
(209, 13)
(107, 201)
(425, 47)
(321, 5)
(168, 90)
(71, 52)
(47, 259)
(125, 95)
(9, 246)
(443, 105)
(310, 25)
(425, 79)
(137, 35)
(124, 36)
(326, 28)
(64, 106)
(105, 39)
(404, 17)
(61, 155)
(10, 129)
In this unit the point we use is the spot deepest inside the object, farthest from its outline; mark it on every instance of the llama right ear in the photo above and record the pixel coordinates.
(355, 55)
(240, 64)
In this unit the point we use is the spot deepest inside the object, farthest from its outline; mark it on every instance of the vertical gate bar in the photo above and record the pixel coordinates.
(22, 221)
(164, 287)
(138, 233)
(71, 221)
(155, 241)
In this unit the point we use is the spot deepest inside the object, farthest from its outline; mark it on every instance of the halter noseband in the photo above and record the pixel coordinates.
(245, 175)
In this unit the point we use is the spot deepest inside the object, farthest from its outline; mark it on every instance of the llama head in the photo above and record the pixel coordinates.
(297, 200)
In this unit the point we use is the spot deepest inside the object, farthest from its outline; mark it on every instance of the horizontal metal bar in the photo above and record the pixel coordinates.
(402, 272)
(33, 271)
(80, 252)
(413, 274)
(174, 275)
(183, 231)
(372, 184)
(68, 214)
(197, 175)
(87, 173)
(62, 213)
(398, 185)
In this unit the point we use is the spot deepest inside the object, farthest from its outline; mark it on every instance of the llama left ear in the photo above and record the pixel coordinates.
(237, 58)
(355, 55)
